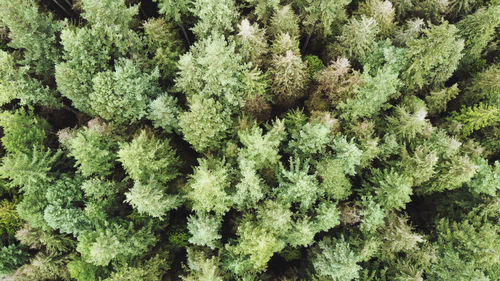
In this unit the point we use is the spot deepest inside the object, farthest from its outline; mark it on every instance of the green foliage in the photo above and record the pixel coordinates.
(433, 57)
(11, 257)
(314, 64)
(324, 15)
(208, 141)
(371, 96)
(150, 198)
(88, 50)
(476, 117)
(382, 11)
(252, 41)
(124, 94)
(10, 221)
(61, 212)
(335, 259)
(251, 187)
(436, 101)
(210, 20)
(201, 267)
(164, 44)
(392, 189)
(174, 10)
(82, 271)
(357, 37)
(94, 153)
(333, 179)
(478, 29)
(164, 111)
(22, 131)
(207, 187)
(204, 229)
(284, 21)
(296, 185)
(288, 75)
(15, 83)
(206, 124)
(409, 119)
(34, 33)
(262, 149)
(115, 241)
(148, 157)
(150, 270)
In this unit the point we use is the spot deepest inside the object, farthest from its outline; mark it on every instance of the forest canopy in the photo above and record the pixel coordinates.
(250, 140)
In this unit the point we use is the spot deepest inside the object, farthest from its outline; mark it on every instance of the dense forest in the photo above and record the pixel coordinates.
(250, 140)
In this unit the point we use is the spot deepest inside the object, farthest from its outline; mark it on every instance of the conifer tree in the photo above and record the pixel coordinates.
(433, 57)
(35, 33)
(478, 30)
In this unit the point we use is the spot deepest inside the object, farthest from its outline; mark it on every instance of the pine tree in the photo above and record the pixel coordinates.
(477, 30)
(433, 57)
(357, 37)
(16, 83)
(210, 20)
(334, 258)
(33, 32)
(207, 187)
(204, 229)
(148, 157)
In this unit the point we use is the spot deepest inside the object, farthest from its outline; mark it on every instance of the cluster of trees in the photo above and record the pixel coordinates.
(250, 140)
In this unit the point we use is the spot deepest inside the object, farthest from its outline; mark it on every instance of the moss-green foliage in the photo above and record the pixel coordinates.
(33, 32)
(94, 154)
(249, 140)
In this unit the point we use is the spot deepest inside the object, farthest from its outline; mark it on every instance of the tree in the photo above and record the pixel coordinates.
(61, 213)
(251, 187)
(288, 72)
(207, 187)
(93, 152)
(211, 69)
(148, 157)
(477, 30)
(335, 259)
(206, 124)
(210, 20)
(164, 46)
(392, 190)
(253, 42)
(204, 229)
(476, 117)
(89, 50)
(123, 96)
(114, 241)
(22, 131)
(433, 57)
(164, 112)
(284, 21)
(383, 12)
(437, 101)
(202, 267)
(323, 15)
(262, 149)
(409, 119)
(357, 36)
(31, 172)
(334, 84)
(150, 198)
(373, 93)
(34, 33)
(16, 83)
(296, 185)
